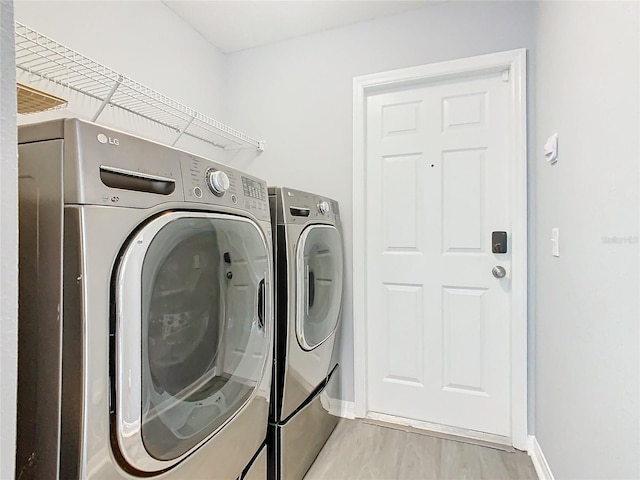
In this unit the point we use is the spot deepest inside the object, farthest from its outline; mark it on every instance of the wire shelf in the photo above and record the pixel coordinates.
(47, 59)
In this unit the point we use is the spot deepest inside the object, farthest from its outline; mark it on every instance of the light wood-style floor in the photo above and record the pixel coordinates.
(362, 451)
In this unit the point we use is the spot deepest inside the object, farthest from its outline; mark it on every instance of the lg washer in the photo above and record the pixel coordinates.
(309, 282)
(145, 318)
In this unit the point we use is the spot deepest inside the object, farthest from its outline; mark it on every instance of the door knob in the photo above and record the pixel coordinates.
(498, 271)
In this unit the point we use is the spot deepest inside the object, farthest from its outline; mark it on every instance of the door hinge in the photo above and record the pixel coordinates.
(505, 76)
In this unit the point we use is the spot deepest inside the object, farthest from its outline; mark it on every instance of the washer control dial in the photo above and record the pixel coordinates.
(323, 207)
(217, 181)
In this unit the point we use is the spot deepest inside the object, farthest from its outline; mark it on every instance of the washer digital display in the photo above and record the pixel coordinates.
(252, 188)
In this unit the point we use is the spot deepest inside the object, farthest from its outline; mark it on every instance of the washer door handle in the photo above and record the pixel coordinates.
(312, 290)
(261, 304)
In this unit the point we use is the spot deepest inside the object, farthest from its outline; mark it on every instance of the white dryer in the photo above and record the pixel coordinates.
(309, 281)
(145, 321)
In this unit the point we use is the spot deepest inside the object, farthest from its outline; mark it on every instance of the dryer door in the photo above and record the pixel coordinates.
(192, 332)
(319, 266)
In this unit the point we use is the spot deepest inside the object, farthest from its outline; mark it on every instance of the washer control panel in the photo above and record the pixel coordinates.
(303, 207)
(209, 182)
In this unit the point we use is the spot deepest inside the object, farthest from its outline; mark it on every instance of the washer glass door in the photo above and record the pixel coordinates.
(319, 293)
(192, 293)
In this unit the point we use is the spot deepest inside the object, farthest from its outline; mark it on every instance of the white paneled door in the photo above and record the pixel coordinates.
(438, 320)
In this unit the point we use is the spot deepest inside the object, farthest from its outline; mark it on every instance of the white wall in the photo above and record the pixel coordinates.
(8, 243)
(143, 40)
(297, 95)
(587, 332)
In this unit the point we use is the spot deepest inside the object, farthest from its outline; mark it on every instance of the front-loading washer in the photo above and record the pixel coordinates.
(308, 253)
(145, 313)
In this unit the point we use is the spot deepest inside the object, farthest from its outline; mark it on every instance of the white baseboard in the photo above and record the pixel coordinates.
(442, 431)
(538, 460)
(342, 408)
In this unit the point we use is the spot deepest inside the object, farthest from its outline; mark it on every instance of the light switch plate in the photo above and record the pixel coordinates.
(551, 149)
(555, 242)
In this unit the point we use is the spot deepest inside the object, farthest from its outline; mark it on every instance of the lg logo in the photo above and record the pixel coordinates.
(102, 138)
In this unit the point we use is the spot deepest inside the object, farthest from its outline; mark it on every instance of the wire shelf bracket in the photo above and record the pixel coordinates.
(47, 59)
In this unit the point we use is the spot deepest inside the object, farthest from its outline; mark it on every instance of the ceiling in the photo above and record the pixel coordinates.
(237, 25)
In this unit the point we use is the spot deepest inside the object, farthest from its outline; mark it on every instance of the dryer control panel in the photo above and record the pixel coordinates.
(302, 207)
(213, 183)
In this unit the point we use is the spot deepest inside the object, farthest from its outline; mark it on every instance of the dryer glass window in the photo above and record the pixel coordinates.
(319, 295)
(204, 344)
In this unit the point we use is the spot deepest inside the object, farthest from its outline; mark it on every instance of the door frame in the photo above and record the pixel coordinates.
(513, 63)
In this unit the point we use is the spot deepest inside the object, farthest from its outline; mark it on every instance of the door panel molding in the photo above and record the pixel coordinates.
(513, 65)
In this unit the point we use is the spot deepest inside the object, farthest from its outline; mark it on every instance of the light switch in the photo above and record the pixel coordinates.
(551, 149)
(555, 242)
